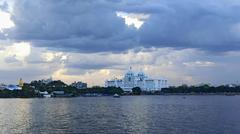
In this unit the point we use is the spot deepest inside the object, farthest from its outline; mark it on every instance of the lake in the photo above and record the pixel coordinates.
(128, 114)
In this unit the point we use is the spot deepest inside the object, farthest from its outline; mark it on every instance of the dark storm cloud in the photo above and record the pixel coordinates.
(92, 25)
(197, 24)
(90, 65)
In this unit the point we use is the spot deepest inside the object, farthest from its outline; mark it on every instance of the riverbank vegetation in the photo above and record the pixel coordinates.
(17, 93)
(101, 90)
(34, 89)
(201, 89)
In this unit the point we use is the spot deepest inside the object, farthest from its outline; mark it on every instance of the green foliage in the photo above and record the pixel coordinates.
(38, 85)
(50, 87)
(102, 90)
(32, 90)
(26, 92)
(136, 91)
(205, 88)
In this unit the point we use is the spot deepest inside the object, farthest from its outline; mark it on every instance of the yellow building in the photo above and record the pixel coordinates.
(21, 82)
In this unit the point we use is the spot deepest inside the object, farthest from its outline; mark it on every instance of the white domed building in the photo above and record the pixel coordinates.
(131, 80)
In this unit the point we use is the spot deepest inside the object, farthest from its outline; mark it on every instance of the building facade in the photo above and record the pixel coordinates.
(79, 85)
(131, 80)
(46, 81)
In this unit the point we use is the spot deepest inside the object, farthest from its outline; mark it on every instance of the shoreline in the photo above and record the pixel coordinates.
(225, 94)
(165, 94)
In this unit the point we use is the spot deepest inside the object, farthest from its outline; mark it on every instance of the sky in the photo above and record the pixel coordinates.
(187, 41)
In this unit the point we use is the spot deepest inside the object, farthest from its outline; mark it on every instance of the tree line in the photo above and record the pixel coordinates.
(204, 88)
(33, 88)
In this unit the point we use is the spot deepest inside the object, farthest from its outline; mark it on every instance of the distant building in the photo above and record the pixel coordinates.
(60, 94)
(10, 87)
(45, 94)
(79, 85)
(131, 80)
(13, 87)
(46, 81)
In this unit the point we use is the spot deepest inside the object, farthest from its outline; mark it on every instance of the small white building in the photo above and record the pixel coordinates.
(131, 80)
(45, 94)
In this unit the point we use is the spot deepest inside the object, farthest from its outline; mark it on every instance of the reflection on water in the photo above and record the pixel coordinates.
(128, 114)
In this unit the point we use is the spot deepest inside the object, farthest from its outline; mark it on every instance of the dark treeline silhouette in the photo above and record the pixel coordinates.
(61, 86)
(17, 94)
(50, 87)
(102, 90)
(136, 91)
(204, 88)
(34, 88)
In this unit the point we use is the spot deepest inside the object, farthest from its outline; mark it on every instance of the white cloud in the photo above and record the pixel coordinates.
(178, 66)
(164, 62)
(199, 64)
(54, 56)
(94, 77)
(18, 50)
(133, 19)
(48, 57)
(5, 21)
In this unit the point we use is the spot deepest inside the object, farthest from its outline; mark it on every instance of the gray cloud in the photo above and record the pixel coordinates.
(11, 59)
(28, 74)
(89, 65)
(92, 25)
(190, 24)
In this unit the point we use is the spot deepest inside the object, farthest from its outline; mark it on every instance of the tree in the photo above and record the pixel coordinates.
(136, 91)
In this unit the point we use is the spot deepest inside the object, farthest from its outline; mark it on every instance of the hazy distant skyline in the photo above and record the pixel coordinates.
(185, 41)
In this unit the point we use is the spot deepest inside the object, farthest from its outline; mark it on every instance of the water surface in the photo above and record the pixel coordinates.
(128, 114)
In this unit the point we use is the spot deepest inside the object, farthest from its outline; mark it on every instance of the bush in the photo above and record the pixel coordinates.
(136, 91)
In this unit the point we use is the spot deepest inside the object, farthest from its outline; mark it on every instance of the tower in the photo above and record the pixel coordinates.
(129, 80)
(20, 83)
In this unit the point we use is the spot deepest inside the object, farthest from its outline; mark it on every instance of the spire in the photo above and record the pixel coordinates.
(130, 72)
